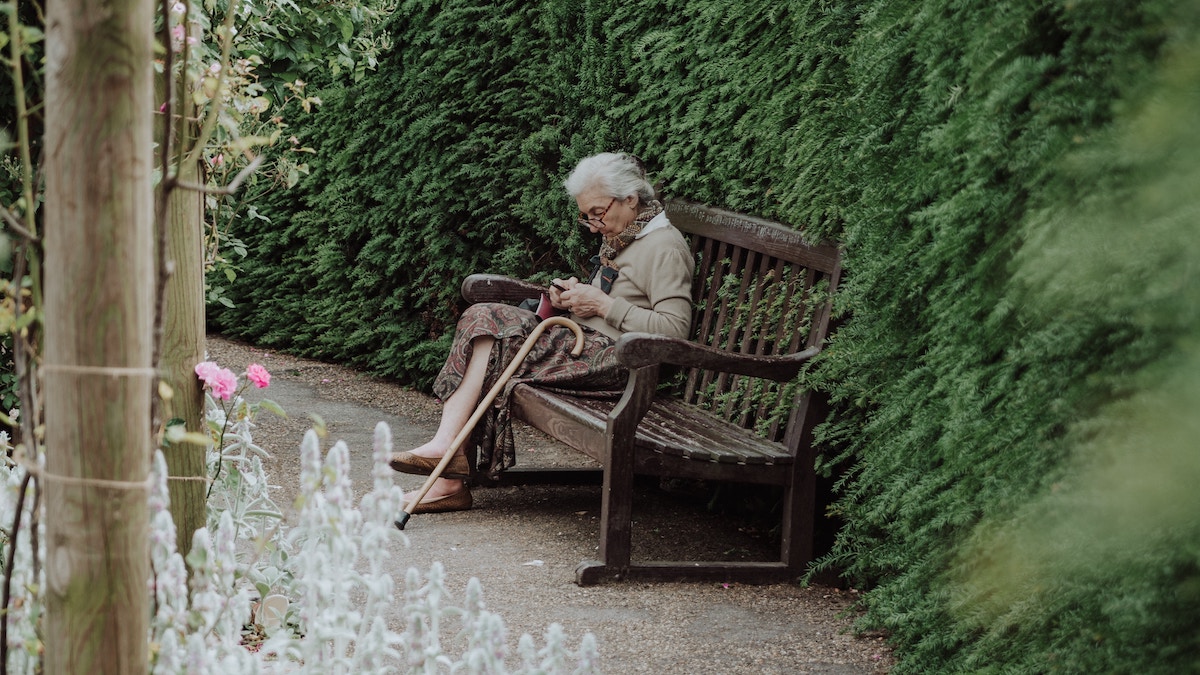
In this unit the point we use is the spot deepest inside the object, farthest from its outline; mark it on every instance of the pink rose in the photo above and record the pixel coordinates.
(258, 375)
(224, 384)
(220, 381)
(205, 370)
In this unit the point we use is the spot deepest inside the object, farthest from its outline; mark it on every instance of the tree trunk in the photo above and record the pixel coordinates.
(183, 335)
(99, 284)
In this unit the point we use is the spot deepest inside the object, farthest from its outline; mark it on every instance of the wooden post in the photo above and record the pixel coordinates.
(99, 282)
(183, 348)
(184, 330)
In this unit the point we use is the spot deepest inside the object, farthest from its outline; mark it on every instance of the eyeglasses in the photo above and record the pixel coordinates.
(588, 220)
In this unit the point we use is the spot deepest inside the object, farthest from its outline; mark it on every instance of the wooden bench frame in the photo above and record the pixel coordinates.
(674, 437)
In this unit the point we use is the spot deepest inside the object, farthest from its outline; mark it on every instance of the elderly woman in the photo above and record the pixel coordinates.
(642, 283)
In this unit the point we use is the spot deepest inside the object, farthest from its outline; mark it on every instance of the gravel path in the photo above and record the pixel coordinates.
(523, 544)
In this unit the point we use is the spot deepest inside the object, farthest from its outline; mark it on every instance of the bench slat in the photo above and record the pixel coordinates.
(673, 430)
(753, 232)
(669, 428)
(727, 443)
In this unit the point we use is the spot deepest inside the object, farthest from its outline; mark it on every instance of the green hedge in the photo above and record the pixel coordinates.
(984, 353)
(1015, 375)
(449, 161)
(413, 187)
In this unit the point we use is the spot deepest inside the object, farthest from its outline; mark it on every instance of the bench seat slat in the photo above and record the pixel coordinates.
(664, 430)
(725, 442)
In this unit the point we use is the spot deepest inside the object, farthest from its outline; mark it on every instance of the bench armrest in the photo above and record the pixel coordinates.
(643, 353)
(636, 350)
(498, 288)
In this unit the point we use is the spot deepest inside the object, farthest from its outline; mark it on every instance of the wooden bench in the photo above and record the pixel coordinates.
(733, 412)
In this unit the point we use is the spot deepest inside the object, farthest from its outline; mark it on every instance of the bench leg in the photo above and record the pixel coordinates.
(799, 505)
(592, 572)
(616, 514)
(616, 504)
(800, 502)
(616, 520)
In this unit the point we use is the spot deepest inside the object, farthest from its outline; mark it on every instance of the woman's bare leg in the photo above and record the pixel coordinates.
(458, 408)
(455, 412)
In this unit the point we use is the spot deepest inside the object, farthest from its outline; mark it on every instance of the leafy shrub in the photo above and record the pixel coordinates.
(337, 552)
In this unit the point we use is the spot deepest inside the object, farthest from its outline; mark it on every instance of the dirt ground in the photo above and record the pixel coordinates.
(523, 543)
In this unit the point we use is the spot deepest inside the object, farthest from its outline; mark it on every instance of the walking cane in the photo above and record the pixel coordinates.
(405, 514)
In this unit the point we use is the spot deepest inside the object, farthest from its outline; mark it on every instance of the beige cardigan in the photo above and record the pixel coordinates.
(653, 290)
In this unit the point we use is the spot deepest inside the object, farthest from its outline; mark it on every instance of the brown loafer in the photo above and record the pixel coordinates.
(406, 462)
(458, 501)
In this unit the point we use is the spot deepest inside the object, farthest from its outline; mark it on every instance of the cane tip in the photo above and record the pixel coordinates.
(402, 520)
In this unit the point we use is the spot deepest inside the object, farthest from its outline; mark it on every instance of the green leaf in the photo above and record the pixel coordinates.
(273, 407)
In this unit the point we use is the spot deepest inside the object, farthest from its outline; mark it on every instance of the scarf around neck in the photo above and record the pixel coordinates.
(613, 245)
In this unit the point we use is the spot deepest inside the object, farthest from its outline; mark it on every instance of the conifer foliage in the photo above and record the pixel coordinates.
(446, 161)
(978, 372)
(1014, 184)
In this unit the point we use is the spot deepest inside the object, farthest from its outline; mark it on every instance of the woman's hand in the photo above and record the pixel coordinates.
(556, 290)
(585, 300)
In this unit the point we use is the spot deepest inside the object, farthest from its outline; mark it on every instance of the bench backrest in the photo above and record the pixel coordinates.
(760, 288)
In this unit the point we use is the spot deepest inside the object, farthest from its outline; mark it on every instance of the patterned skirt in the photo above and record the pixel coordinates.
(548, 365)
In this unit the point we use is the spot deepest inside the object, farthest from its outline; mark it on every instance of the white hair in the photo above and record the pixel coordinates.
(616, 173)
